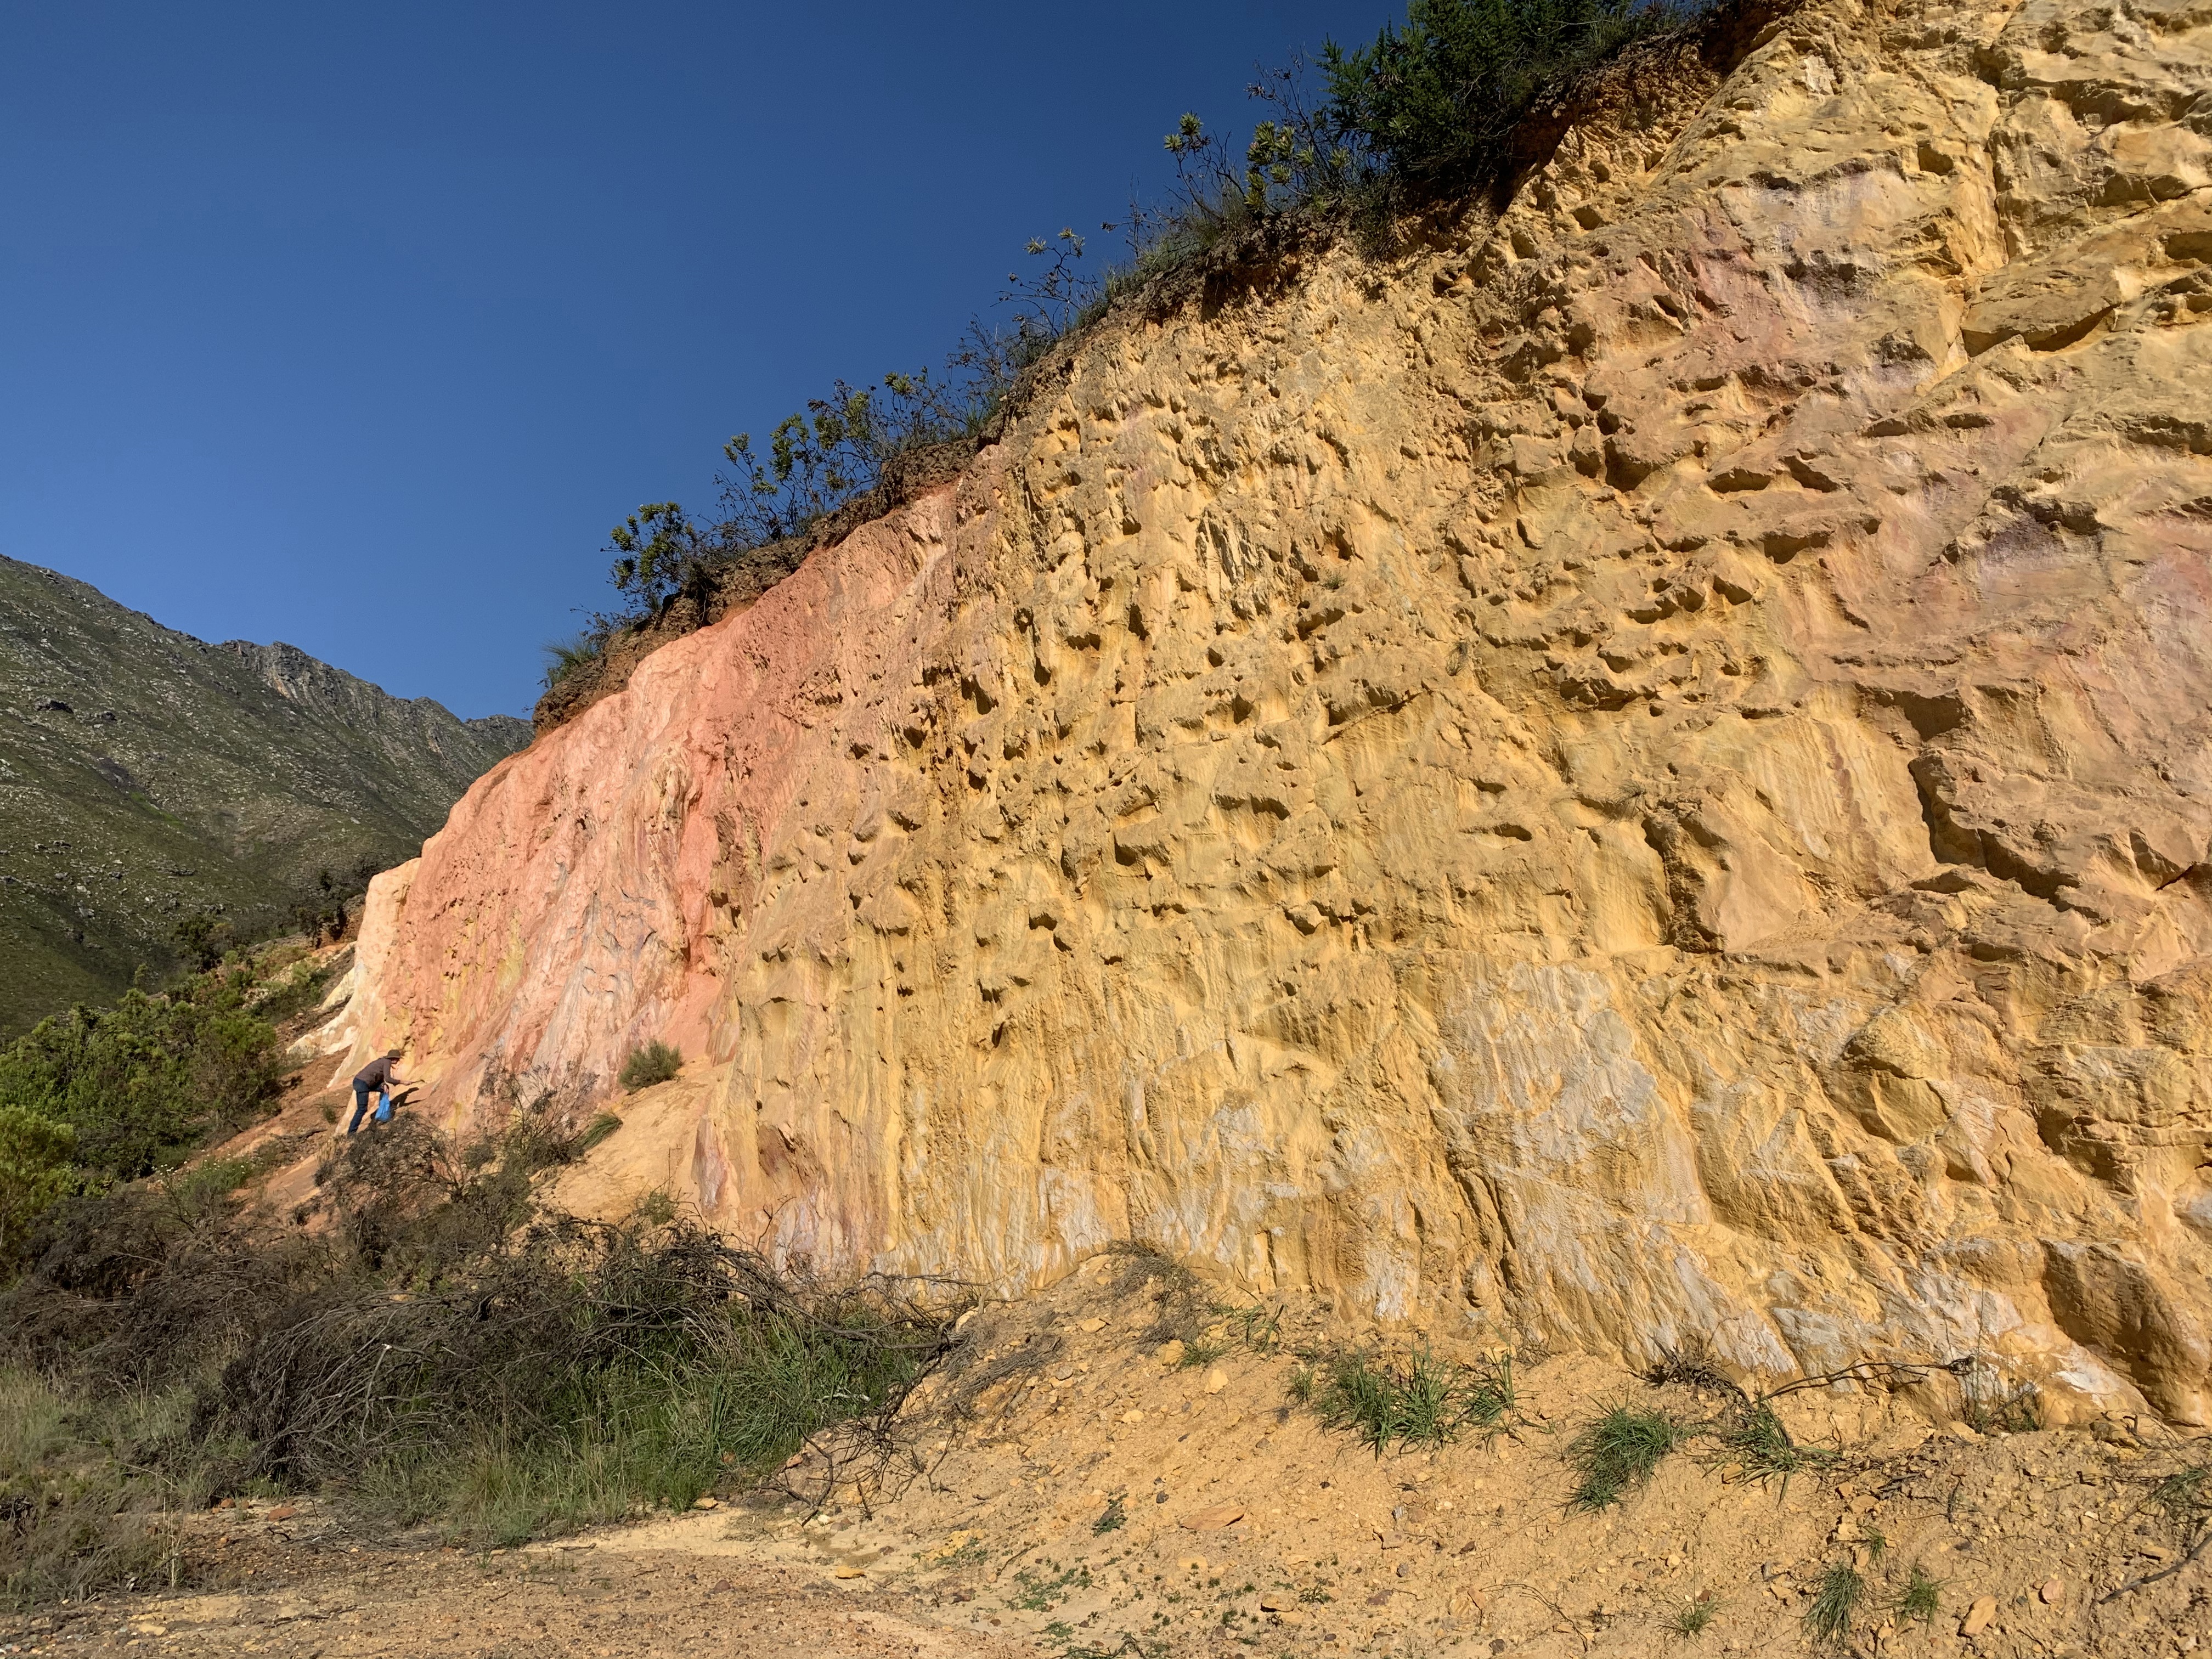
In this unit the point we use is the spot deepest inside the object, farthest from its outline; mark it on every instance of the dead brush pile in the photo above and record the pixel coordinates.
(450, 1352)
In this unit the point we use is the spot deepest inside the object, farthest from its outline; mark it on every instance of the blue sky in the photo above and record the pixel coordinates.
(357, 326)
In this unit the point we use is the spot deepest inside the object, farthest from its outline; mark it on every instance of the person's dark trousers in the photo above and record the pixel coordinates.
(361, 1092)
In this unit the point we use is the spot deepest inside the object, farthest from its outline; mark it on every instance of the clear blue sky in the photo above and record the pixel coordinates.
(356, 326)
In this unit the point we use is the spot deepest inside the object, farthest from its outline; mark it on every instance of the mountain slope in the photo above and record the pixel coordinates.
(145, 775)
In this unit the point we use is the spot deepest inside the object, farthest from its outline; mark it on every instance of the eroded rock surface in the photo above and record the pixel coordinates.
(1640, 775)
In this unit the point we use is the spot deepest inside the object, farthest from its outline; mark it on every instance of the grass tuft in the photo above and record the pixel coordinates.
(2184, 1496)
(1695, 1614)
(1202, 1350)
(565, 657)
(1841, 1590)
(1755, 1436)
(1922, 1597)
(1619, 1451)
(656, 1062)
(1422, 1402)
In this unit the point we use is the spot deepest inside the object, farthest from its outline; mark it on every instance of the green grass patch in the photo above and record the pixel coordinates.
(1837, 1599)
(1419, 1401)
(1693, 1616)
(1753, 1436)
(1619, 1452)
(89, 1490)
(1040, 1592)
(1203, 1350)
(527, 1372)
(1921, 1598)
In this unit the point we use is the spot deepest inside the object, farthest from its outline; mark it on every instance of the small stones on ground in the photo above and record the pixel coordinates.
(2052, 1591)
(282, 1512)
(1979, 1616)
(1216, 1379)
(707, 1504)
(1169, 1352)
(1090, 1325)
(848, 1570)
(1132, 1415)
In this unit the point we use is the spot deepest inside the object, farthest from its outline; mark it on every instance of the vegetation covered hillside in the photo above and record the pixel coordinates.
(148, 778)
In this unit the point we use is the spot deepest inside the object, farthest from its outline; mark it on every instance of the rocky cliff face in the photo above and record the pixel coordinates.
(1641, 774)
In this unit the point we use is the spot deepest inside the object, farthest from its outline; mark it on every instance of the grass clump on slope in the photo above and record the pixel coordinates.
(1421, 1400)
(1619, 1452)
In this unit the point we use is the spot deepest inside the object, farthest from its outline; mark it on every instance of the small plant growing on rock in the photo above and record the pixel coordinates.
(2185, 1498)
(565, 657)
(1619, 1451)
(656, 1062)
(1117, 1516)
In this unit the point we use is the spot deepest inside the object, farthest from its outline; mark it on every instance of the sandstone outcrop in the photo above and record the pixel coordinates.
(1639, 774)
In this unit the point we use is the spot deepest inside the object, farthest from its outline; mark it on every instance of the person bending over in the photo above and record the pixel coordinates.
(377, 1078)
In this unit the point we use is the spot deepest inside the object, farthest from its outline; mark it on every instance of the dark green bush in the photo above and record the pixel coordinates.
(141, 1083)
(102, 1095)
(656, 1062)
(1434, 103)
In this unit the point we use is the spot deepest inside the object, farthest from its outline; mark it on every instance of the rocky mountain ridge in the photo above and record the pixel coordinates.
(147, 775)
(1637, 779)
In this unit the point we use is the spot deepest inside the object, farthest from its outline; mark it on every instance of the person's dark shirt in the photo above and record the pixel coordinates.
(377, 1074)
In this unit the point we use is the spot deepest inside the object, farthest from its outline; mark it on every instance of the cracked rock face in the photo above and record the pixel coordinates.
(1638, 776)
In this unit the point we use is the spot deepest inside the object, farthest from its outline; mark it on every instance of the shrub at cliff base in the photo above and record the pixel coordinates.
(102, 1095)
(448, 1353)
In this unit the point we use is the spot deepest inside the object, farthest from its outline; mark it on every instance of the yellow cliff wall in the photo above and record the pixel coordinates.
(1639, 774)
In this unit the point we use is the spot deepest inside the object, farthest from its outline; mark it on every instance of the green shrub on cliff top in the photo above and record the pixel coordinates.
(1426, 111)
(1434, 103)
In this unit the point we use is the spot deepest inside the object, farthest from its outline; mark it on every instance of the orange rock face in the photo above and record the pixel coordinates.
(1639, 776)
(600, 888)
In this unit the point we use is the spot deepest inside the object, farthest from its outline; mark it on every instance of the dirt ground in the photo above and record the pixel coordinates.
(1069, 1490)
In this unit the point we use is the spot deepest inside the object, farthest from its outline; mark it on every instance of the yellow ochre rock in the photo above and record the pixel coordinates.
(1637, 775)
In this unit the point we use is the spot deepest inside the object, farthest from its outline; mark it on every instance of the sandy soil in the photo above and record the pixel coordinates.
(1244, 1526)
